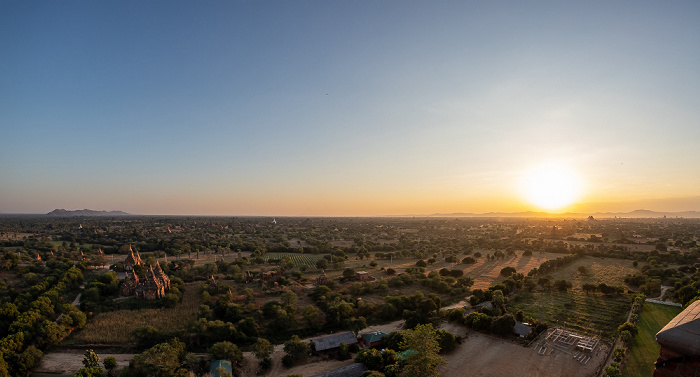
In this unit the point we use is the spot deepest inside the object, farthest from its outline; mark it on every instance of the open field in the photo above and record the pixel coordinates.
(115, 327)
(592, 314)
(308, 260)
(644, 350)
(485, 356)
(485, 273)
(11, 236)
(610, 271)
(69, 362)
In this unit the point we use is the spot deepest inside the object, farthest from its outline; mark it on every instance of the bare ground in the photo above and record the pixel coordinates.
(69, 362)
(486, 356)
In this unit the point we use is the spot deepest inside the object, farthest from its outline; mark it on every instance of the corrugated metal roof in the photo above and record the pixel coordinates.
(352, 370)
(374, 336)
(521, 329)
(486, 304)
(333, 341)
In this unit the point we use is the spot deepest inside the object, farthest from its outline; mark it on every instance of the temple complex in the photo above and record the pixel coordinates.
(132, 260)
(153, 286)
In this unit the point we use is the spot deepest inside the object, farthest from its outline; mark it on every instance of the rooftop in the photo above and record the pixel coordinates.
(682, 334)
(333, 341)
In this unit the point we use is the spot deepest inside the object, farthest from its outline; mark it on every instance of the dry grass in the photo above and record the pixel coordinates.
(600, 270)
(485, 273)
(116, 327)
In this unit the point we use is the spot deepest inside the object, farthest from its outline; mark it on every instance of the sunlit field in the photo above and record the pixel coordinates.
(644, 350)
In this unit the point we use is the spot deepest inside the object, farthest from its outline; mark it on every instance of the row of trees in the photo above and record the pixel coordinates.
(38, 319)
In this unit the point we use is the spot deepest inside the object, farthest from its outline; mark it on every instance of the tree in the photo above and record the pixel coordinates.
(3, 367)
(626, 336)
(289, 299)
(618, 354)
(343, 351)
(503, 325)
(91, 359)
(91, 366)
(562, 285)
(348, 273)
(372, 373)
(162, 360)
(357, 324)
(295, 348)
(612, 370)
(311, 315)
(446, 340)
(582, 270)
(588, 287)
(507, 271)
(371, 357)
(226, 351)
(627, 326)
(498, 299)
(263, 348)
(110, 364)
(424, 362)
(28, 359)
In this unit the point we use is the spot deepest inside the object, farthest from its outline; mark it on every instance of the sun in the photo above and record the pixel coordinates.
(551, 186)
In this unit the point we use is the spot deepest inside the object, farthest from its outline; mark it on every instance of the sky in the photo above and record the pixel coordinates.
(346, 108)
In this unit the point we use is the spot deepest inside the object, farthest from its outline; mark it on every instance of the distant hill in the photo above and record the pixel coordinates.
(640, 213)
(85, 212)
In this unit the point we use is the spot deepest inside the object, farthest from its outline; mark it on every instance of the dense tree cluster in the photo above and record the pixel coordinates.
(35, 319)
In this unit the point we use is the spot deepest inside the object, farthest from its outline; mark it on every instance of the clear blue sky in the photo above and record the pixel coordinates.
(345, 108)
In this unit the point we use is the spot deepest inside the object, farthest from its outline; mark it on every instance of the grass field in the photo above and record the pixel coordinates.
(610, 271)
(115, 327)
(308, 260)
(592, 314)
(644, 350)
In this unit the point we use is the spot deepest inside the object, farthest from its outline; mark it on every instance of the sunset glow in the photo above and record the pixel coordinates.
(551, 186)
(348, 108)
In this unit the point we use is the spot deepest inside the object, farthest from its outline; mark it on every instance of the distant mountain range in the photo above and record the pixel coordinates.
(85, 212)
(640, 213)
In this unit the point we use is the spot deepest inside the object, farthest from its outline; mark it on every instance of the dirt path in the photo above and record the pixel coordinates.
(69, 362)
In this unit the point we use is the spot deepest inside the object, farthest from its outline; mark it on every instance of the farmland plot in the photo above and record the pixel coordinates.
(644, 349)
(116, 327)
(591, 314)
(308, 260)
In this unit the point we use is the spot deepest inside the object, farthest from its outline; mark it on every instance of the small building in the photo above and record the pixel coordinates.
(220, 365)
(330, 342)
(522, 329)
(488, 305)
(372, 339)
(680, 345)
(352, 370)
